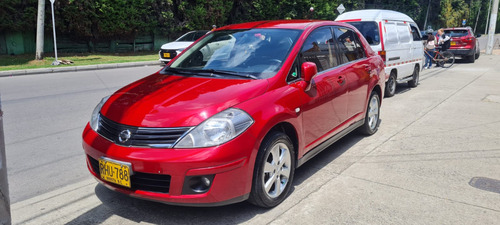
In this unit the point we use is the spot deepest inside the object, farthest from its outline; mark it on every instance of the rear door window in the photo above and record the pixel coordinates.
(392, 33)
(369, 30)
(403, 32)
(350, 47)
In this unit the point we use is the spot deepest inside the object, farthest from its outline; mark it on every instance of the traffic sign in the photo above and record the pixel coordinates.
(341, 8)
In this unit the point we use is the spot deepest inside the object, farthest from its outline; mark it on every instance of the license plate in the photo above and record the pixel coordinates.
(453, 43)
(115, 172)
(166, 55)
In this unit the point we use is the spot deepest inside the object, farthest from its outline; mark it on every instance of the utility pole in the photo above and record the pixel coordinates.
(426, 15)
(487, 19)
(477, 17)
(39, 29)
(56, 61)
(491, 31)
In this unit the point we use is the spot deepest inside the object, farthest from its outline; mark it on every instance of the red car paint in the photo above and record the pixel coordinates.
(336, 99)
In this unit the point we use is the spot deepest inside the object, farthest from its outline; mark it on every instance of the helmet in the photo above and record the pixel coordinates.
(430, 31)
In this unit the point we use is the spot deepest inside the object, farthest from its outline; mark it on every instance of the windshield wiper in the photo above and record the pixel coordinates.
(210, 72)
(231, 73)
(188, 71)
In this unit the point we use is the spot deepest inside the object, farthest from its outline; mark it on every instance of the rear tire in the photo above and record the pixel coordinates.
(416, 76)
(372, 116)
(274, 171)
(477, 54)
(390, 85)
(472, 58)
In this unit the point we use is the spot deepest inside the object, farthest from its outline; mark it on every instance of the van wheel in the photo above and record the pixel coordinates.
(416, 76)
(273, 172)
(390, 85)
(372, 115)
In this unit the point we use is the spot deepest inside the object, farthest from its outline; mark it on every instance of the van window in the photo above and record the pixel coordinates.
(392, 33)
(350, 47)
(369, 30)
(404, 33)
(319, 48)
(415, 33)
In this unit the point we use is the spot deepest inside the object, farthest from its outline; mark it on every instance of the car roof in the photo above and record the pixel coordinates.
(458, 28)
(373, 14)
(281, 24)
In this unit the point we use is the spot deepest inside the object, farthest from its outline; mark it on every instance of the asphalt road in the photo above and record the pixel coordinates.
(434, 160)
(44, 116)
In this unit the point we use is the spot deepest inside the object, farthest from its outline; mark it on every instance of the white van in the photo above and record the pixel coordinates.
(396, 37)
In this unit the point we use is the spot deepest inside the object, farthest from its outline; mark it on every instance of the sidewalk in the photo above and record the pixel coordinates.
(56, 69)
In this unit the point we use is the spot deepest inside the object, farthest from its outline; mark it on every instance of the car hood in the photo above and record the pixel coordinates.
(176, 45)
(177, 101)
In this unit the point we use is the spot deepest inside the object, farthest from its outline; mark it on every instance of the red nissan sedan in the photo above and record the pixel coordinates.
(233, 116)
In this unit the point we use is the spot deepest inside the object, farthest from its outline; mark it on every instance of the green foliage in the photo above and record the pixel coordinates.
(453, 11)
(98, 20)
(18, 15)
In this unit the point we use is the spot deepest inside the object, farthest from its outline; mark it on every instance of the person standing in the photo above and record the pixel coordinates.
(443, 40)
(430, 47)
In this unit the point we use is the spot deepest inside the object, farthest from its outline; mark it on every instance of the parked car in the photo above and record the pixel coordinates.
(396, 37)
(463, 43)
(236, 113)
(170, 50)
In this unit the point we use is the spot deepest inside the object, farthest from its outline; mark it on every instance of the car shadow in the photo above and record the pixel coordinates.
(137, 210)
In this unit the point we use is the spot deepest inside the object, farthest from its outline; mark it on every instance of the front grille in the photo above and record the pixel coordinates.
(173, 53)
(140, 181)
(139, 136)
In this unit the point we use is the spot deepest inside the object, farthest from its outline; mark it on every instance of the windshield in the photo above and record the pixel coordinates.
(256, 52)
(456, 33)
(369, 30)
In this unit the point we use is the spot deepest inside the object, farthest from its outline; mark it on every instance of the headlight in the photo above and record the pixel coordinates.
(94, 119)
(218, 129)
(178, 51)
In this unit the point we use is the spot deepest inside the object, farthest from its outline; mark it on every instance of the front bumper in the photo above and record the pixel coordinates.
(230, 165)
(167, 54)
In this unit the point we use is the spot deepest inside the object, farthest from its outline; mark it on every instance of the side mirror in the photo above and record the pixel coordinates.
(478, 35)
(308, 70)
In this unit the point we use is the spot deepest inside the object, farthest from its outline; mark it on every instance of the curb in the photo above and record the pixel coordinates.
(11, 73)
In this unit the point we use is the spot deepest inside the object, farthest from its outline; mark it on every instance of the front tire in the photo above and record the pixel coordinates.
(416, 76)
(274, 171)
(372, 116)
(390, 86)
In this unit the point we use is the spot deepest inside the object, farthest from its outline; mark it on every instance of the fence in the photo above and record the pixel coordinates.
(16, 43)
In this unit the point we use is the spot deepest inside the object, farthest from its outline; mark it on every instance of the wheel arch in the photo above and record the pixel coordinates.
(378, 90)
(291, 132)
(395, 71)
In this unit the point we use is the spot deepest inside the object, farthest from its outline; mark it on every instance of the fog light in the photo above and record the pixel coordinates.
(197, 184)
(206, 181)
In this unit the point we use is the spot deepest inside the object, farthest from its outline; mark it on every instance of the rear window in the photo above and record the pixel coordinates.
(456, 33)
(369, 30)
